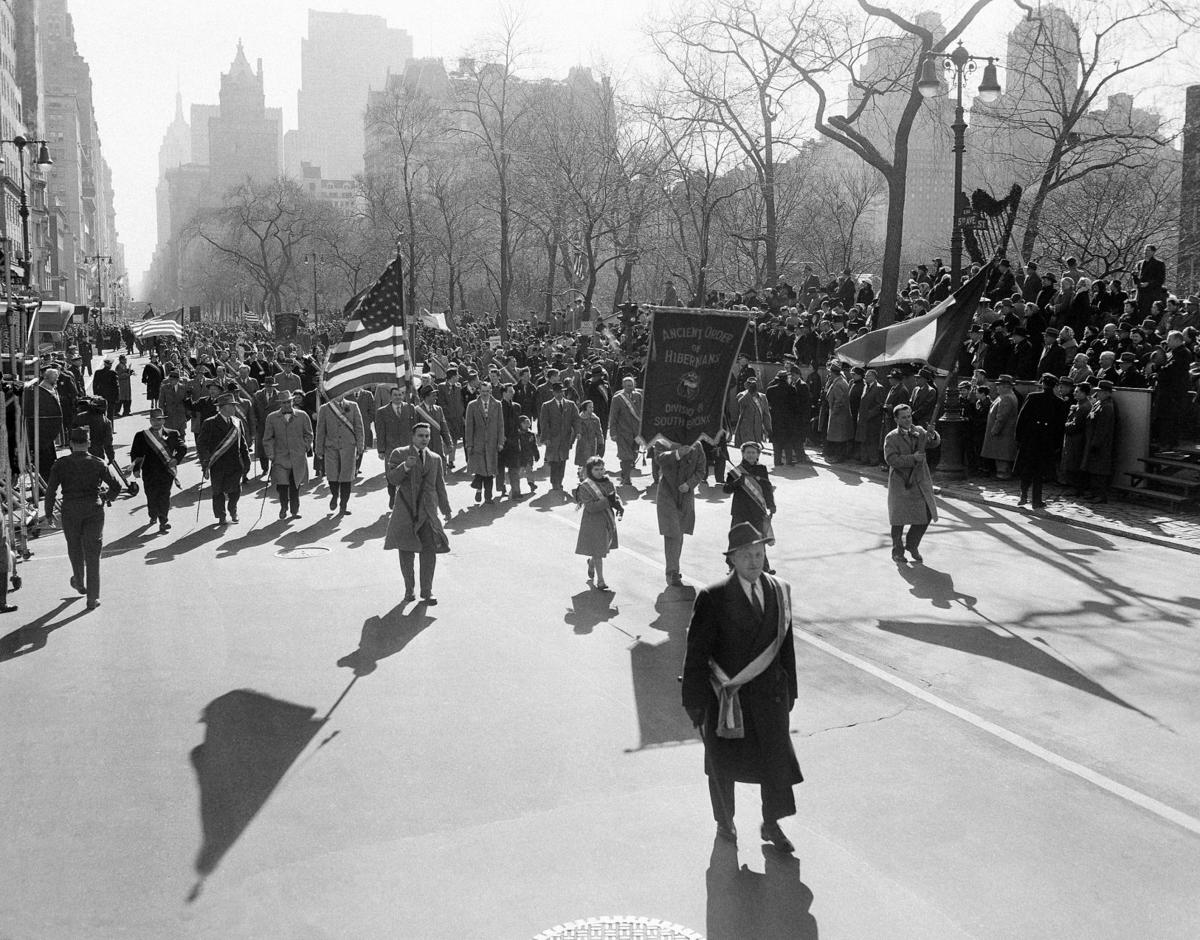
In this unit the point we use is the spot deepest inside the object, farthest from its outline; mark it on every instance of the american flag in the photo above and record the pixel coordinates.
(372, 347)
(249, 315)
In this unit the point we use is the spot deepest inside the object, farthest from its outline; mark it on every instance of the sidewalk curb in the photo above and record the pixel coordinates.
(943, 491)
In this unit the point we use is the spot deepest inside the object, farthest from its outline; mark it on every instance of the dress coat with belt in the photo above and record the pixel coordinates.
(910, 485)
(725, 628)
(420, 495)
(286, 444)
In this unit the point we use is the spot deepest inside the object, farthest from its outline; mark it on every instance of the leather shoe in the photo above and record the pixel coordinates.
(408, 598)
(429, 600)
(727, 833)
(773, 834)
(92, 605)
(77, 586)
(898, 557)
(916, 556)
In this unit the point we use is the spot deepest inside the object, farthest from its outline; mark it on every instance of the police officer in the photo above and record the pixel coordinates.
(87, 485)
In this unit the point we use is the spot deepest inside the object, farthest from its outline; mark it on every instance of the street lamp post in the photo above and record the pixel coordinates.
(107, 259)
(43, 159)
(959, 64)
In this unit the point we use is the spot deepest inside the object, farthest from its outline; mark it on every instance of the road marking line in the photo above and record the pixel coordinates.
(1130, 795)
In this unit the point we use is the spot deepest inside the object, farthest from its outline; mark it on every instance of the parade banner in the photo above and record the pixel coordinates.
(688, 368)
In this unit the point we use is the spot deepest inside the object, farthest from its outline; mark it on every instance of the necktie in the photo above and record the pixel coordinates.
(755, 602)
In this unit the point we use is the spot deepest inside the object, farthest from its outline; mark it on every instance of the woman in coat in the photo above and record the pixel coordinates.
(287, 443)
(589, 434)
(1000, 434)
(598, 525)
(910, 486)
(1074, 437)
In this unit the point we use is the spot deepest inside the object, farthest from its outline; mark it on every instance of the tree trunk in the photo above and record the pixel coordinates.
(770, 227)
(551, 242)
(893, 246)
(1029, 238)
(505, 260)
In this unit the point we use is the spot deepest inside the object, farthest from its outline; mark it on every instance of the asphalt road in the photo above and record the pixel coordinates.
(1000, 743)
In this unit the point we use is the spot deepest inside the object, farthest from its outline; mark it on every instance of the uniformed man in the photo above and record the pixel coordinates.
(739, 684)
(224, 457)
(87, 485)
(93, 416)
(155, 454)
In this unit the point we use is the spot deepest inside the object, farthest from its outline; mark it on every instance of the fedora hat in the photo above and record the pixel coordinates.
(743, 534)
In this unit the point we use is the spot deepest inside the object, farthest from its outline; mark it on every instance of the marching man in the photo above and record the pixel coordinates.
(340, 443)
(155, 453)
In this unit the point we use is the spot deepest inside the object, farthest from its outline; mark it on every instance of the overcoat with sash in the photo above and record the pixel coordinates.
(340, 438)
(725, 629)
(598, 524)
(286, 444)
(910, 486)
(745, 507)
(420, 494)
(227, 469)
(753, 421)
(625, 423)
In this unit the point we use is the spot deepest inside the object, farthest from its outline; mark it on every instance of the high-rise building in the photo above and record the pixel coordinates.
(174, 151)
(343, 57)
(1189, 196)
(245, 137)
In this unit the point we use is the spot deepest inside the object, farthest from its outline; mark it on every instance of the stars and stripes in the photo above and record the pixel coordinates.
(935, 338)
(372, 347)
(250, 316)
(159, 326)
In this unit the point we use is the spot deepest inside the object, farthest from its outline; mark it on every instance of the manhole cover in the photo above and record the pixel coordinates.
(619, 928)
(303, 551)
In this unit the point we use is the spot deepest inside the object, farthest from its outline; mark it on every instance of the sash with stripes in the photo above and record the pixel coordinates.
(433, 422)
(754, 491)
(610, 522)
(227, 442)
(341, 417)
(620, 396)
(159, 448)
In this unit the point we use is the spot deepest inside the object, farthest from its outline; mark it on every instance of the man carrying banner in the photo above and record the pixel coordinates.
(224, 457)
(625, 422)
(739, 686)
(340, 442)
(155, 453)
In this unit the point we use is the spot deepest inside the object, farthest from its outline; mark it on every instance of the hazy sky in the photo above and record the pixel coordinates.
(139, 49)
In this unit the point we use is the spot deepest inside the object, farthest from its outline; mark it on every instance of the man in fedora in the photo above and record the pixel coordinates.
(287, 443)
(224, 456)
(156, 452)
(739, 686)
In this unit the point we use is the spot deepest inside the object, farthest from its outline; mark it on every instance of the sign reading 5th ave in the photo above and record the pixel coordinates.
(688, 367)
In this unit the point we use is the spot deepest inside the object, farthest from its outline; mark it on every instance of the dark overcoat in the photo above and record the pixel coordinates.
(725, 629)
(1100, 438)
(1040, 425)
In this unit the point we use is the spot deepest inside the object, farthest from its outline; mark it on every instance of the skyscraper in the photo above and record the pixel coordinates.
(344, 56)
(1189, 196)
(244, 138)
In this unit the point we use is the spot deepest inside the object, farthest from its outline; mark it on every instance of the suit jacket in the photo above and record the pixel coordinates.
(394, 429)
(725, 628)
(556, 428)
(153, 470)
(235, 461)
(483, 437)
(420, 494)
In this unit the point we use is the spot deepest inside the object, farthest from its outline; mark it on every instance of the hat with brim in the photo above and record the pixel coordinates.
(928, 374)
(157, 413)
(1006, 380)
(743, 535)
(283, 395)
(1105, 385)
(225, 399)
(755, 444)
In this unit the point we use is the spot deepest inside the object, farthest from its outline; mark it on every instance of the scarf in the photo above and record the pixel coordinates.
(729, 706)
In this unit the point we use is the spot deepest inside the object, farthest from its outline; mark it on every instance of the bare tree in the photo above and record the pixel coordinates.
(1050, 130)
(878, 58)
(733, 58)
(493, 106)
(262, 228)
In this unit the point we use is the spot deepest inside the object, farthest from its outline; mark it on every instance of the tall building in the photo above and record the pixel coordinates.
(245, 137)
(1189, 196)
(343, 57)
(174, 151)
(11, 125)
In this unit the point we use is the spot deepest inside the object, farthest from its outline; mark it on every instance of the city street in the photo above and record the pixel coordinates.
(253, 740)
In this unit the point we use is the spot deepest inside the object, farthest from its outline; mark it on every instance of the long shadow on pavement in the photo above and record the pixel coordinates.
(259, 534)
(774, 905)
(481, 515)
(371, 532)
(187, 543)
(656, 668)
(250, 741)
(127, 543)
(32, 636)
(588, 609)
(384, 636)
(309, 534)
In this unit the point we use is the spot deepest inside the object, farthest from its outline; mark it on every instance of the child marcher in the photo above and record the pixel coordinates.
(601, 506)
(528, 451)
(753, 495)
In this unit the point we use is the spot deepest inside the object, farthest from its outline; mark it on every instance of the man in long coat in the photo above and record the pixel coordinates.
(340, 442)
(624, 425)
(753, 417)
(173, 397)
(910, 485)
(556, 432)
(419, 483)
(450, 399)
(262, 404)
(1100, 439)
(483, 436)
(441, 441)
(224, 457)
(739, 686)
(1000, 435)
(155, 453)
(839, 431)
(680, 471)
(152, 378)
(287, 443)
(868, 428)
(785, 419)
(1040, 425)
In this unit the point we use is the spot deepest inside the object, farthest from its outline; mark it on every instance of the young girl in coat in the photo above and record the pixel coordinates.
(598, 525)
(589, 434)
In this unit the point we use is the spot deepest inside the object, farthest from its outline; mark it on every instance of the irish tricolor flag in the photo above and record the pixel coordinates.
(935, 338)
